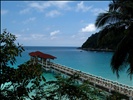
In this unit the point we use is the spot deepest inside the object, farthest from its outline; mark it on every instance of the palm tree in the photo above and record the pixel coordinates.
(119, 19)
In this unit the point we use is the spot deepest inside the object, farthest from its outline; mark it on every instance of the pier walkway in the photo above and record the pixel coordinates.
(99, 81)
(44, 60)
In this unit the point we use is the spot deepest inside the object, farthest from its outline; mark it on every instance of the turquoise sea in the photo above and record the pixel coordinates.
(96, 63)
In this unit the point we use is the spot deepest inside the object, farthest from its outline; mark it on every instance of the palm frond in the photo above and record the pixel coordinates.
(122, 6)
(121, 55)
(130, 61)
(107, 18)
(130, 55)
(119, 19)
(113, 6)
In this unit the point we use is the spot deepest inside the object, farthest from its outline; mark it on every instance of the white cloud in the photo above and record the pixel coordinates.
(43, 5)
(32, 19)
(38, 36)
(24, 11)
(96, 11)
(54, 32)
(39, 6)
(53, 13)
(24, 30)
(82, 7)
(73, 36)
(60, 4)
(3, 12)
(29, 20)
(53, 37)
(89, 28)
(18, 36)
(46, 6)
(83, 38)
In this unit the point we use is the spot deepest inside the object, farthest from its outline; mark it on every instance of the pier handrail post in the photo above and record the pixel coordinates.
(130, 98)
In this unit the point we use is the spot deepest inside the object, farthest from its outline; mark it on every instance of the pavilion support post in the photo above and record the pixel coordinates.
(34, 60)
(49, 62)
(42, 61)
(46, 62)
(30, 58)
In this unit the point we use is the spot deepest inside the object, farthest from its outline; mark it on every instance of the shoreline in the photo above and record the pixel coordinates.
(98, 50)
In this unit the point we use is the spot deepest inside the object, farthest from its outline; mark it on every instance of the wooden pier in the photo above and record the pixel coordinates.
(99, 81)
(108, 84)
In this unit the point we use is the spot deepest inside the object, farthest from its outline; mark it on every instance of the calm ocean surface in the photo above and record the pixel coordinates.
(96, 63)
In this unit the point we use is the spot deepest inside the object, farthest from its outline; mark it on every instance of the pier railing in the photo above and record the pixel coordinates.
(99, 81)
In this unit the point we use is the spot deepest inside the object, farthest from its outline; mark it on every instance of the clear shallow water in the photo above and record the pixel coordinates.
(96, 63)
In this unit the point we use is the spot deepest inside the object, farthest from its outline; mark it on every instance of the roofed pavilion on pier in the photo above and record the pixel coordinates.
(41, 58)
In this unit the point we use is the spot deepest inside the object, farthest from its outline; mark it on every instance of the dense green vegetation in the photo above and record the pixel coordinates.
(109, 42)
(15, 82)
(91, 42)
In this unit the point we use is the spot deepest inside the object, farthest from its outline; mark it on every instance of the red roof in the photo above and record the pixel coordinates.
(41, 55)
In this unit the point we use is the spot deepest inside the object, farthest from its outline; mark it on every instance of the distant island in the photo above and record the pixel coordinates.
(107, 43)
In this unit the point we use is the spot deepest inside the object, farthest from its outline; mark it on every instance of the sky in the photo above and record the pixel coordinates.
(51, 23)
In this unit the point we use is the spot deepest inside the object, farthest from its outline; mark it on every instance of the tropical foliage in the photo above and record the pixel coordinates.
(15, 82)
(119, 20)
(91, 42)
(108, 43)
(72, 89)
(117, 96)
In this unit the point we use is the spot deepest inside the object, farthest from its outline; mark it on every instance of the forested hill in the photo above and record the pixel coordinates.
(108, 43)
